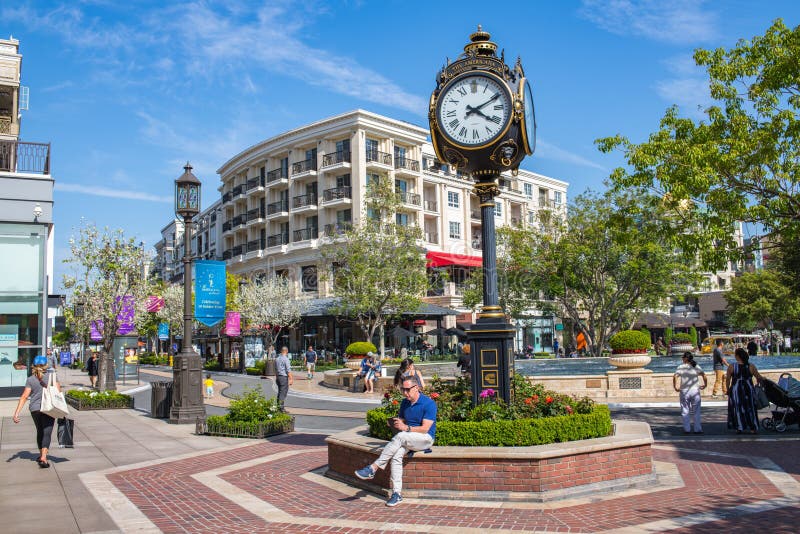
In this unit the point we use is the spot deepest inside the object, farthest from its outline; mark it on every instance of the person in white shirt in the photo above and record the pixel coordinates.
(686, 381)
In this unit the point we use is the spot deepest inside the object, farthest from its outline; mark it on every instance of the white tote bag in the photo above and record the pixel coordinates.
(53, 402)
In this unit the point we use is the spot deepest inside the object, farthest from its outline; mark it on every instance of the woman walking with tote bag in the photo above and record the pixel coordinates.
(34, 387)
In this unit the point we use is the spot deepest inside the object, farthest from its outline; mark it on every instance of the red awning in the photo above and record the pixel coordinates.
(440, 259)
(419, 322)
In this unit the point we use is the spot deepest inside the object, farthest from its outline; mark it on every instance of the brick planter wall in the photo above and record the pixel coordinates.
(533, 473)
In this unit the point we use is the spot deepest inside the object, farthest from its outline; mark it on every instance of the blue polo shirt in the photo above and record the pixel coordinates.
(413, 414)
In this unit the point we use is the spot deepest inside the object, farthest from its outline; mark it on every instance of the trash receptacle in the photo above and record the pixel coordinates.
(160, 399)
(270, 368)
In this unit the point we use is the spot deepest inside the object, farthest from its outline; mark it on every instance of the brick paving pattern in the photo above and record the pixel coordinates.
(717, 477)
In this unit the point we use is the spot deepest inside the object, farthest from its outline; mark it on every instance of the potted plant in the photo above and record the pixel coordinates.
(629, 349)
(355, 352)
(680, 343)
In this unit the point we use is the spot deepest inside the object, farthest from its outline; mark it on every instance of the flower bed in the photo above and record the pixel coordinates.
(250, 416)
(535, 417)
(98, 400)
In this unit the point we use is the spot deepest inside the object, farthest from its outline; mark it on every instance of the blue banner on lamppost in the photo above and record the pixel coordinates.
(163, 331)
(209, 291)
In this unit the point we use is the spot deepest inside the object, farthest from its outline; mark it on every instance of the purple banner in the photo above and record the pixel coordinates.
(125, 324)
(233, 324)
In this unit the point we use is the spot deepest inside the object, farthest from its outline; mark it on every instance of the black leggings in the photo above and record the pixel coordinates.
(44, 429)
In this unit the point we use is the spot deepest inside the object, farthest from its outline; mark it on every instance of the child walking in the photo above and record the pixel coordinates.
(209, 383)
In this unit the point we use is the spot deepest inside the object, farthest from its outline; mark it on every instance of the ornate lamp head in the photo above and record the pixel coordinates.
(187, 193)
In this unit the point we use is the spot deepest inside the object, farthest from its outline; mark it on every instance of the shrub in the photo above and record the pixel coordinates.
(149, 358)
(531, 404)
(693, 335)
(644, 330)
(681, 337)
(212, 365)
(509, 433)
(221, 425)
(251, 406)
(668, 333)
(360, 348)
(93, 400)
(629, 341)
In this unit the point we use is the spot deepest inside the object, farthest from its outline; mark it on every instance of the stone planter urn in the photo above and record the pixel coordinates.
(677, 349)
(354, 361)
(628, 361)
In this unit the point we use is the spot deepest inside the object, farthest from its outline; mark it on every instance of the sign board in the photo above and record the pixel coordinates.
(209, 292)
(559, 326)
(163, 331)
(60, 323)
(65, 358)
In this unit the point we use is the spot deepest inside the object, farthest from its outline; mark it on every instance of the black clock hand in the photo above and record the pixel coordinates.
(477, 111)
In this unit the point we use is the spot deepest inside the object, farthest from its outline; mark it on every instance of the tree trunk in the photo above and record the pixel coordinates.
(381, 341)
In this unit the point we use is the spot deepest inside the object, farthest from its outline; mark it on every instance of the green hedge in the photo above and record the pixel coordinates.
(360, 348)
(629, 340)
(221, 425)
(98, 400)
(515, 433)
(682, 337)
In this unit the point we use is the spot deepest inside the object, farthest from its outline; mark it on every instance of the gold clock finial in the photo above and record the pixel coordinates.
(480, 44)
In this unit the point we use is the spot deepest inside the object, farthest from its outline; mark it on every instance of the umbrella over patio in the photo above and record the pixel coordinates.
(399, 331)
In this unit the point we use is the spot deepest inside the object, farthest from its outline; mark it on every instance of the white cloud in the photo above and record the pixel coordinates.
(58, 87)
(688, 89)
(99, 191)
(549, 151)
(676, 21)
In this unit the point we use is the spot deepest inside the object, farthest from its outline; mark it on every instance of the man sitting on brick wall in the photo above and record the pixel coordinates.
(416, 426)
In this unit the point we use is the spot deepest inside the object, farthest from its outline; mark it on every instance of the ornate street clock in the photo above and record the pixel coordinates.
(482, 122)
(481, 113)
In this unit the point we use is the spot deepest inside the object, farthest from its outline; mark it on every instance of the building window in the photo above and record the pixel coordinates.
(371, 146)
(343, 146)
(285, 167)
(309, 274)
(542, 197)
(373, 181)
(343, 180)
(400, 154)
(498, 209)
(530, 217)
(557, 199)
(401, 219)
(452, 199)
(528, 190)
(455, 230)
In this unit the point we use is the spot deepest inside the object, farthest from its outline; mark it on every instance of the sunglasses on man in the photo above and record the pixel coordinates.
(407, 390)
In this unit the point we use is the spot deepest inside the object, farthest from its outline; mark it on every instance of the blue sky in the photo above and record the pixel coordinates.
(127, 92)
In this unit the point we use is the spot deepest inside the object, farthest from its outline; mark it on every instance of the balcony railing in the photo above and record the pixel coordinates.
(237, 250)
(256, 244)
(338, 228)
(409, 198)
(275, 175)
(431, 237)
(277, 240)
(337, 193)
(239, 220)
(226, 255)
(252, 183)
(406, 163)
(227, 197)
(430, 205)
(255, 213)
(379, 157)
(238, 190)
(304, 200)
(476, 244)
(277, 207)
(304, 234)
(303, 166)
(18, 156)
(227, 225)
(336, 157)
(475, 214)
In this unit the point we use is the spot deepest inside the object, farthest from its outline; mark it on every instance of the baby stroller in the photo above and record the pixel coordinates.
(785, 395)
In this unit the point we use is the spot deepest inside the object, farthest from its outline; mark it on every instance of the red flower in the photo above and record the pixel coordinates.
(394, 401)
(548, 399)
(535, 398)
(569, 409)
(528, 400)
(386, 395)
(434, 395)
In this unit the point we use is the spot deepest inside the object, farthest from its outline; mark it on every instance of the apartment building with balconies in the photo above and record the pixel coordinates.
(285, 197)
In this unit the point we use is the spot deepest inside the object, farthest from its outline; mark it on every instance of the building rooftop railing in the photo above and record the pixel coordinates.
(19, 156)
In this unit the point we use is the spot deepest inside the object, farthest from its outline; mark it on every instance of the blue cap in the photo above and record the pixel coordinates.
(40, 360)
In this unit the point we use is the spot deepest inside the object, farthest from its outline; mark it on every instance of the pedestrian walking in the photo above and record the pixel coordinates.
(92, 367)
(742, 412)
(659, 347)
(33, 393)
(311, 362)
(686, 381)
(283, 376)
(720, 363)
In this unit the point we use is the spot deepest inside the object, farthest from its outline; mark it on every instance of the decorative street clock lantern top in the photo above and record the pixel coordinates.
(481, 113)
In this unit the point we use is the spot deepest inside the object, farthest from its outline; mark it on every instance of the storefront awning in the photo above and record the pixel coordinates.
(441, 259)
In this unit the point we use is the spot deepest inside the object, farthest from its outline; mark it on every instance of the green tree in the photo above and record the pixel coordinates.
(106, 267)
(611, 257)
(740, 163)
(269, 306)
(377, 267)
(760, 298)
(693, 335)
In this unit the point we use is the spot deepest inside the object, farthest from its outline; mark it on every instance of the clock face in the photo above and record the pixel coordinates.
(474, 110)
(530, 119)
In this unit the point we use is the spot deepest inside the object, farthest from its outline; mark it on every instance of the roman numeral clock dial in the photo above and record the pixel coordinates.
(474, 110)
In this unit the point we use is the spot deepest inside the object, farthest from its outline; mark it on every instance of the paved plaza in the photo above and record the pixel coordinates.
(131, 473)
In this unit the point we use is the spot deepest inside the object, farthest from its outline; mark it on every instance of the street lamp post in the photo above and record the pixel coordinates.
(187, 372)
